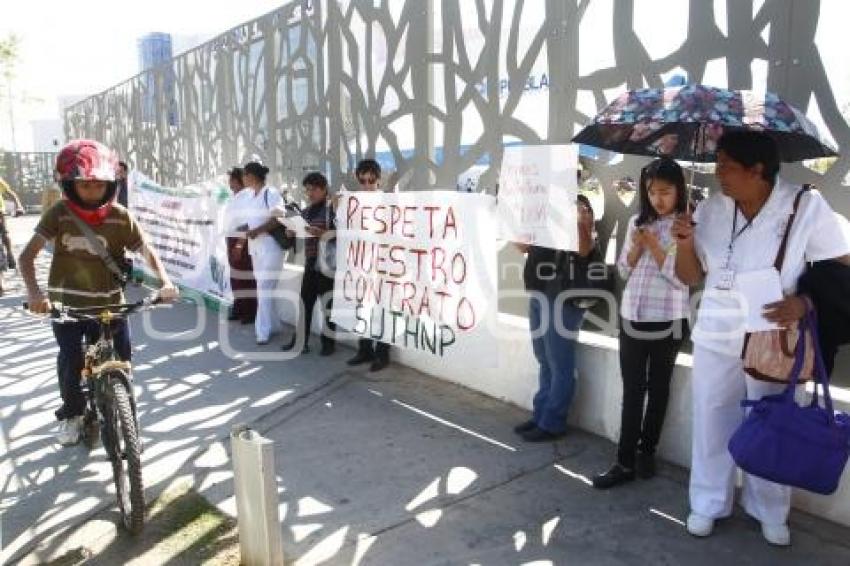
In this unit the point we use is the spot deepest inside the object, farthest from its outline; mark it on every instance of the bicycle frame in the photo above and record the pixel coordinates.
(99, 359)
(107, 386)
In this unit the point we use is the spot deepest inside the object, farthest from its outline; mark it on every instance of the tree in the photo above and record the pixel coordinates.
(9, 57)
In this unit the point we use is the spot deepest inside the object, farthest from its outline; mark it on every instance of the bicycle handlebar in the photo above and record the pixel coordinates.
(120, 310)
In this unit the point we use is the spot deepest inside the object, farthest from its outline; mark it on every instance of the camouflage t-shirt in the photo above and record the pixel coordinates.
(78, 277)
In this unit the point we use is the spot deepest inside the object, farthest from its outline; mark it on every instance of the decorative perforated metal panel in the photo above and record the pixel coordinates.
(435, 88)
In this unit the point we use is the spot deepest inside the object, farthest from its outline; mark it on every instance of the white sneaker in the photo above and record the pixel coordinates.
(700, 525)
(70, 431)
(777, 535)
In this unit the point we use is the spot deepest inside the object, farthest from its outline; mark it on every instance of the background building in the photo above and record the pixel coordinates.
(155, 55)
(47, 135)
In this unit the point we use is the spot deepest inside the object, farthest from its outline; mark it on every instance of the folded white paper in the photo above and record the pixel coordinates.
(297, 224)
(759, 288)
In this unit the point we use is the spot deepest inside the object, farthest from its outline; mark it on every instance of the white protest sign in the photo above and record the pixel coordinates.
(417, 269)
(186, 227)
(537, 196)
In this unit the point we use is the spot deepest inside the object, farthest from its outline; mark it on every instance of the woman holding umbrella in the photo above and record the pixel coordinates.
(736, 231)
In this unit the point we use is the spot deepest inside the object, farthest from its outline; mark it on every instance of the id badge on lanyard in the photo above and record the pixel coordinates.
(726, 279)
(726, 275)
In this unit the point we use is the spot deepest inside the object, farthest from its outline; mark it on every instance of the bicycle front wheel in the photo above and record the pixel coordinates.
(126, 458)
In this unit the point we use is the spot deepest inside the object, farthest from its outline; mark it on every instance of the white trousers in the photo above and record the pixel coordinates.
(268, 270)
(718, 385)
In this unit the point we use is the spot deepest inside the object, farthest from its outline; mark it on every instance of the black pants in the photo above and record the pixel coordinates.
(314, 286)
(646, 364)
(373, 348)
(69, 362)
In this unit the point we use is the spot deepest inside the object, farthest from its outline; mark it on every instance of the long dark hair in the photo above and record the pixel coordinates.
(664, 169)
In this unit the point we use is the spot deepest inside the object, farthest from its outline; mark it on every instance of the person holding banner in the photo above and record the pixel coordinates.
(554, 326)
(267, 256)
(368, 173)
(242, 280)
(315, 284)
(123, 196)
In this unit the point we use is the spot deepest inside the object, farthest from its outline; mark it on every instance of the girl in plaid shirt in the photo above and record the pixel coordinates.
(653, 313)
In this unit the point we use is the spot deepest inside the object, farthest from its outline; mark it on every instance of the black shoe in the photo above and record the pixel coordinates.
(233, 317)
(537, 434)
(616, 475)
(327, 349)
(645, 465)
(247, 321)
(525, 427)
(289, 346)
(379, 364)
(360, 358)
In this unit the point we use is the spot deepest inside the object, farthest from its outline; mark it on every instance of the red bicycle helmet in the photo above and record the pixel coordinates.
(87, 160)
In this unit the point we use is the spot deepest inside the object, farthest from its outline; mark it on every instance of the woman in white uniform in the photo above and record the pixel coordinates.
(266, 255)
(733, 232)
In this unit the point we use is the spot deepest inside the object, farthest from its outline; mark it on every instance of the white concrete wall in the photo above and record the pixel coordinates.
(507, 371)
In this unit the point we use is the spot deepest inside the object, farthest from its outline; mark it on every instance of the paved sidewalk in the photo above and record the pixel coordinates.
(393, 468)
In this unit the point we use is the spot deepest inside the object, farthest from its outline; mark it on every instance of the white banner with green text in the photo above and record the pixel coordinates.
(186, 227)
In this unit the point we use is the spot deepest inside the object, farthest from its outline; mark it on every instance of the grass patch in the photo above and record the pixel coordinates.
(181, 528)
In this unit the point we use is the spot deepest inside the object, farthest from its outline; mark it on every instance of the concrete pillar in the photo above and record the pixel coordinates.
(256, 498)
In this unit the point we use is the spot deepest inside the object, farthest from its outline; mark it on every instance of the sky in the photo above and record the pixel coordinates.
(84, 47)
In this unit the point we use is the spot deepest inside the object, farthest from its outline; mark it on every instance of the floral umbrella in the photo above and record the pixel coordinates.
(685, 122)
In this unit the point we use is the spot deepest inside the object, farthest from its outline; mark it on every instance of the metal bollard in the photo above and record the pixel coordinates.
(256, 498)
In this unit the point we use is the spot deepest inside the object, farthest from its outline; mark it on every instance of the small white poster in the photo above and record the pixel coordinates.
(537, 196)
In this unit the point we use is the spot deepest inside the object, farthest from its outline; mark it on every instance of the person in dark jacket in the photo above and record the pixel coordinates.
(554, 325)
(827, 284)
(121, 178)
(374, 352)
(315, 284)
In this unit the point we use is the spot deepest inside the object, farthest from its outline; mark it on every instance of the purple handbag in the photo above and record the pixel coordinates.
(780, 441)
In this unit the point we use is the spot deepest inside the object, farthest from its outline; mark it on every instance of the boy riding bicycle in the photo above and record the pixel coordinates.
(91, 233)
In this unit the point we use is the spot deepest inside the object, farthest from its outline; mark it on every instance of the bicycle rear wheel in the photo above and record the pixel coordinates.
(125, 456)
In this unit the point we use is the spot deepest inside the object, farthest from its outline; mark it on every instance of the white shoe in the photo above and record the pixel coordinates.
(70, 431)
(700, 525)
(777, 535)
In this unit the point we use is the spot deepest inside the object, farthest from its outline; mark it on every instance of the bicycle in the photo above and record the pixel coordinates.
(111, 406)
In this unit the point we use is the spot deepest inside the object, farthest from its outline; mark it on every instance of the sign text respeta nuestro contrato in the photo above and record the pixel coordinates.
(415, 269)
